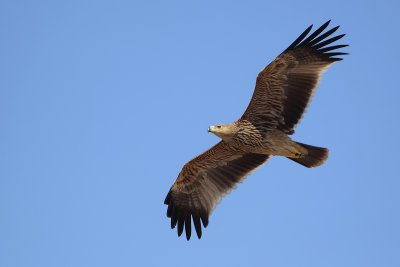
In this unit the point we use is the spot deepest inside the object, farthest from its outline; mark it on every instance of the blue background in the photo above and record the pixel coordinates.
(102, 102)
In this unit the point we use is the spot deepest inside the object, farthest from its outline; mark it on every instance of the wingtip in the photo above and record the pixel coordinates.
(169, 211)
(326, 23)
(188, 226)
(168, 198)
(197, 224)
(198, 234)
(300, 38)
(180, 230)
(173, 222)
(309, 29)
(204, 219)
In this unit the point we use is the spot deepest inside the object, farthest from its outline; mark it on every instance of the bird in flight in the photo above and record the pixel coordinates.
(282, 93)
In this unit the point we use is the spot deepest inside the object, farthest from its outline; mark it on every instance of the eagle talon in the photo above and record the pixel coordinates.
(295, 154)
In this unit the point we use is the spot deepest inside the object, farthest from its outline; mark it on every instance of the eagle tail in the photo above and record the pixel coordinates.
(315, 156)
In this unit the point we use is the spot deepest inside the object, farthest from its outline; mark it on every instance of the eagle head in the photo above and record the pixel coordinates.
(224, 131)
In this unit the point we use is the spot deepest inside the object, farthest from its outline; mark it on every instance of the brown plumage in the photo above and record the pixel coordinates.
(283, 91)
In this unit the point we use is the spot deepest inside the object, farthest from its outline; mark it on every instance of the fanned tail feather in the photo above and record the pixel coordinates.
(315, 157)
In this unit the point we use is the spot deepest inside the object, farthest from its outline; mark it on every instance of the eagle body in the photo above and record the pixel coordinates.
(244, 136)
(282, 93)
(275, 142)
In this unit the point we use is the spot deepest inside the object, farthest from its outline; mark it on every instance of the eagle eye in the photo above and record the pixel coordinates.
(218, 126)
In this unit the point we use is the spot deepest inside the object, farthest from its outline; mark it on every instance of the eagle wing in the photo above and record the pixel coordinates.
(203, 181)
(285, 87)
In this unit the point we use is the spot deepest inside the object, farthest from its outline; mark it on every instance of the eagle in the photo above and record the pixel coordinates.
(282, 93)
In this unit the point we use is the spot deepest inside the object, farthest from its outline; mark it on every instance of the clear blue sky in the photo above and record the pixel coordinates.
(102, 102)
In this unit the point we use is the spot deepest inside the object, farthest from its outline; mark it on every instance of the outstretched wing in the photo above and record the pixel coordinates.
(203, 182)
(285, 87)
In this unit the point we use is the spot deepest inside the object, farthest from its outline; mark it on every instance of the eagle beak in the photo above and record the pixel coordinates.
(209, 129)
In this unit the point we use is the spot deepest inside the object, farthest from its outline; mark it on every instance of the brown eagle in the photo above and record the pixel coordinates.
(283, 91)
